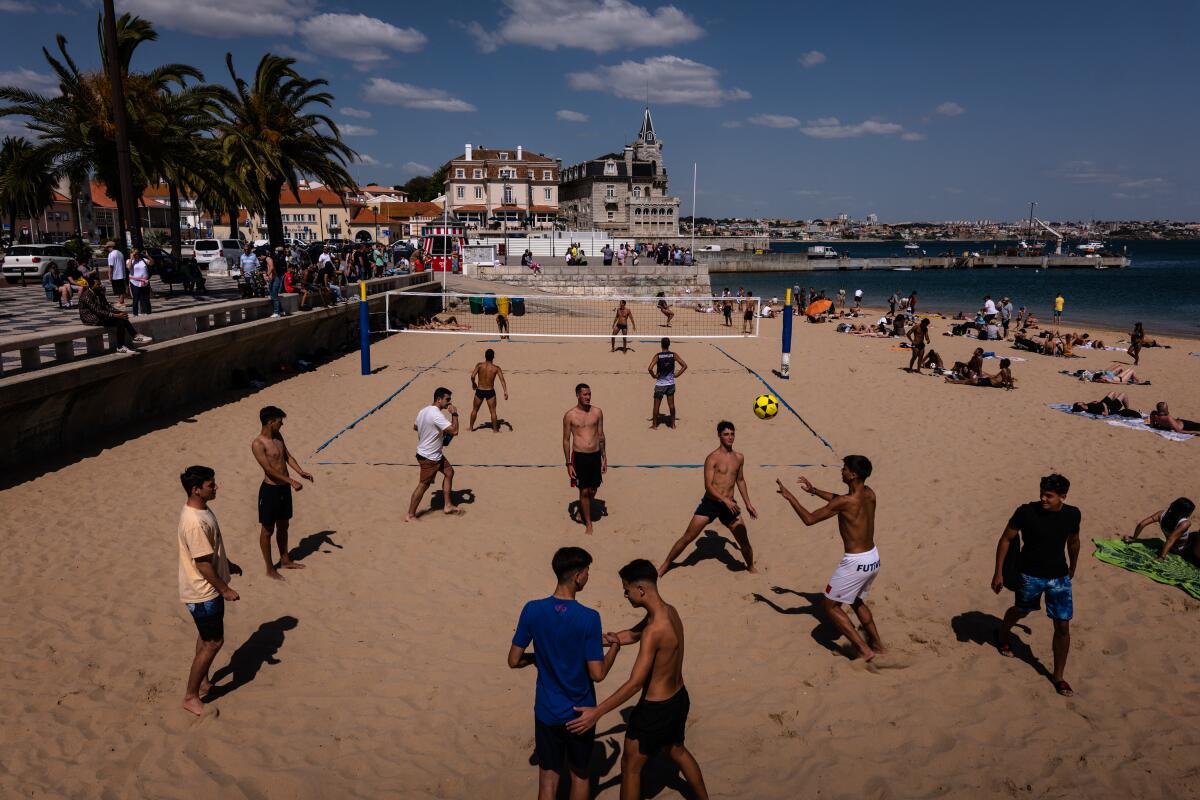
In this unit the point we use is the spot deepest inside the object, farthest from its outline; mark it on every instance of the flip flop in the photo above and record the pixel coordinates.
(1064, 688)
(1004, 647)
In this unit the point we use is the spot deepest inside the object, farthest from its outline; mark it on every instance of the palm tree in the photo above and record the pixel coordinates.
(271, 140)
(75, 128)
(27, 180)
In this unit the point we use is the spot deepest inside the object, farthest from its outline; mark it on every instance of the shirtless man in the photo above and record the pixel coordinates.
(483, 381)
(275, 493)
(722, 471)
(919, 337)
(584, 448)
(665, 309)
(621, 322)
(858, 569)
(660, 716)
(747, 304)
(1161, 419)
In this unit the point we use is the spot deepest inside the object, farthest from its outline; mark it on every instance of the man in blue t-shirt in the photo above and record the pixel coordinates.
(569, 654)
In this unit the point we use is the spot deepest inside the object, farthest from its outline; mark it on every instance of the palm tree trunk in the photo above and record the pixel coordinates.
(233, 219)
(176, 237)
(274, 214)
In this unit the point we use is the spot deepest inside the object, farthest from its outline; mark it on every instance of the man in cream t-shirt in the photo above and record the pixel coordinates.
(204, 572)
(117, 273)
(434, 432)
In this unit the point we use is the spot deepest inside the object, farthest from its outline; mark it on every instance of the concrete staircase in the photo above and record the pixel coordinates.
(598, 280)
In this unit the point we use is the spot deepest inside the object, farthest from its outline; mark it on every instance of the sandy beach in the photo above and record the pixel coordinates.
(379, 670)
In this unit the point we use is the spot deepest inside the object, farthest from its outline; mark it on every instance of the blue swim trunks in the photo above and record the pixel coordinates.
(1057, 591)
(209, 617)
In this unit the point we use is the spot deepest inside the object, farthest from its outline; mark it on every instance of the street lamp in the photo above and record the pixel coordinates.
(321, 217)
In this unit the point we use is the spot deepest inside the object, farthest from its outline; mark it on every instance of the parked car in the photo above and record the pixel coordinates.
(33, 260)
(208, 250)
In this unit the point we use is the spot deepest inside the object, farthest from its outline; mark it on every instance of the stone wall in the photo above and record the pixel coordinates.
(644, 279)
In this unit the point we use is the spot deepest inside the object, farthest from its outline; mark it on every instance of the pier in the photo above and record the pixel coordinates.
(800, 262)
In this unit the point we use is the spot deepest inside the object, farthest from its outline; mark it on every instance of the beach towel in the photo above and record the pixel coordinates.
(1125, 422)
(1139, 557)
(1013, 359)
(1087, 375)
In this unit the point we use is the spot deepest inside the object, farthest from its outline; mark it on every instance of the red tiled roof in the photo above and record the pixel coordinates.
(309, 197)
(410, 209)
(470, 208)
(544, 209)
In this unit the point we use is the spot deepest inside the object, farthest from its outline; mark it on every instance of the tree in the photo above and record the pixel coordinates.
(27, 180)
(270, 139)
(423, 188)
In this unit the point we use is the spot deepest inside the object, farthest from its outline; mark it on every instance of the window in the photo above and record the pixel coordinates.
(460, 192)
(460, 173)
(508, 195)
(504, 156)
(610, 168)
(610, 215)
(637, 191)
(478, 192)
(477, 173)
(547, 175)
(637, 212)
(610, 191)
(546, 194)
(333, 219)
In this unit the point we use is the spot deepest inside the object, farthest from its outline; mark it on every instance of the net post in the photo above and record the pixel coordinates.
(364, 327)
(785, 359)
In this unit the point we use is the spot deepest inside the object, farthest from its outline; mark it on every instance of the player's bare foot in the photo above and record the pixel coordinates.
(588, 529)
(753, 570)
(205, 687)
(290, 565)
(664, 569)
(274, 575)
(411, 518)
(456, 511)
(194, 705)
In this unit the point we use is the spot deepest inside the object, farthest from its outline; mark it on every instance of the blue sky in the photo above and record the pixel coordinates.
(911, 110)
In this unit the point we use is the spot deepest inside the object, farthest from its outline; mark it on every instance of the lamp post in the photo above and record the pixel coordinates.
(321, 217)
(375, 208)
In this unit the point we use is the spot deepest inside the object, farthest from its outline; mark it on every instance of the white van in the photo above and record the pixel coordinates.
(208, 250)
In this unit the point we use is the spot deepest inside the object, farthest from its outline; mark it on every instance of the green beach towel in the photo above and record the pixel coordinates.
(1139, 556)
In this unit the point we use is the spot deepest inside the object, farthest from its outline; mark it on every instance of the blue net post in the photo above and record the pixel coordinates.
(364, 327)
(785, 361)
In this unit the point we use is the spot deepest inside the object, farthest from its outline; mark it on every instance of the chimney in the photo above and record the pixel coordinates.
(468, 151)
(519, 150)
(628, 161)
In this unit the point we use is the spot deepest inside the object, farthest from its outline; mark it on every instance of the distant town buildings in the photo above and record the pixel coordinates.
(489, 189)
(623, 193)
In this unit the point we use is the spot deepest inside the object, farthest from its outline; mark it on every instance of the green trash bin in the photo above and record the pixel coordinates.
(476, 305)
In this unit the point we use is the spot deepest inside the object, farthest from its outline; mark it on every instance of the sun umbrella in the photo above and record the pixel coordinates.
(817, 307)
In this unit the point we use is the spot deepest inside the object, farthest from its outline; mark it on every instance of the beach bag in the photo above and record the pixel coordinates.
(1011, 569)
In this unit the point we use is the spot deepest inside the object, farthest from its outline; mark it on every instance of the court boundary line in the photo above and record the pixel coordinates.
(389, 398)
(775, 392)
(554, 466)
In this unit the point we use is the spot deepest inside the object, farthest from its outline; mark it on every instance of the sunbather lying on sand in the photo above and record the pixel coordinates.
(972, 369)
(1161, 418)
(1001, 380)
(1114, 403)
(1116, 374)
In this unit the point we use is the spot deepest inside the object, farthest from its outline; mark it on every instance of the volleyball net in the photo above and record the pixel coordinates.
(691, 317)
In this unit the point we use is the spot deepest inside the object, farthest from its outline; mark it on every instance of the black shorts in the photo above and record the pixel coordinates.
(209, 617)
(274, 504)
(485, 394)
(728, 312)
(501, 320)
(118, 286)
(715, 509)
(621, 326)
(587, 470)
(748, 315)
(554, 743)
(656, 724)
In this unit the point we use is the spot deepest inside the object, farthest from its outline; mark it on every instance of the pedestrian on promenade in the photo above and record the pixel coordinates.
(116, 272)
(275, 268)
(204, 574)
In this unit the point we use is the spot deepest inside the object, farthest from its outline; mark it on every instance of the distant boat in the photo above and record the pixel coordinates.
(1090, 248)
(912, 246)
(901, 269)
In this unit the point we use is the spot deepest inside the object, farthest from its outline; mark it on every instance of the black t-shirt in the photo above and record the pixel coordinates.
(1044, 537)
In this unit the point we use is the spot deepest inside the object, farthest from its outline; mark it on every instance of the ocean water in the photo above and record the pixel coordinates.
(1161, 289)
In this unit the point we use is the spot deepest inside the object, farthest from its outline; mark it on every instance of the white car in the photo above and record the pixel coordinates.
(711, 248)
(208, 250)
(33, 261)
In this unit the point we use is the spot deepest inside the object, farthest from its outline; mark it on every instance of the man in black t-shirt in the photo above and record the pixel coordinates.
(1047, 528)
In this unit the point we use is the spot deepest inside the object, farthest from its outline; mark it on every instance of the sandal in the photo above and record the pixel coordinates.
(1004, 647)
(1064, 688)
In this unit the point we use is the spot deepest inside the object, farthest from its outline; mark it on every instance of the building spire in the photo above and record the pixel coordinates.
(646, 134)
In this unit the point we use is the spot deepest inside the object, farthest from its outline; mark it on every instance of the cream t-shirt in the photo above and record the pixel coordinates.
(199, 535)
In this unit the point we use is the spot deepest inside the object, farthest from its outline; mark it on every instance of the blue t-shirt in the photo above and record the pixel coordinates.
(565, 635)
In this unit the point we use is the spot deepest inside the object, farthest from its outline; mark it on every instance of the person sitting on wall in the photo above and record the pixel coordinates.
(94, 309)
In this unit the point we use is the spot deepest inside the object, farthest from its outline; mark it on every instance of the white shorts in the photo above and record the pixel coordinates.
(853, 577)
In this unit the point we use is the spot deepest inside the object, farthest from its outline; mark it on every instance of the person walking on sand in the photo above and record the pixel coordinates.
(918, 335)
(852, 580)
(204, 574)
(483, 381)
(434, 432)
(621, 322)
(275, 492)
(585, 450)
(1047, 527)
(1059, 302)
(659, 720)
(662, 369)
(723, 470)
(568, 649)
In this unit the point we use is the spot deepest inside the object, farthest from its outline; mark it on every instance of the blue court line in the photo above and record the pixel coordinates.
(389, 398)
(552, 466)
(775, 392)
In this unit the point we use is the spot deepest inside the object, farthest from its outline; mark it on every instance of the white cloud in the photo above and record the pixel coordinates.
(832, 128)
(223, 18)
(369, 160)
(347, 129)
(775, 121)
(41, 82)
(669, 79)
(16, 6)
(357, 113)
(570, 116)
(812, 58)
(1144, 183)
(358, 38)
(596, 25)
(807, 192)
(912, 136)
(281, 49)
(731, 123)
(415, 168)
(949, 109)
(382, 90)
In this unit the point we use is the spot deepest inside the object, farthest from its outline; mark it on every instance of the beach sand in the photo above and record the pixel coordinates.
(380, 669)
